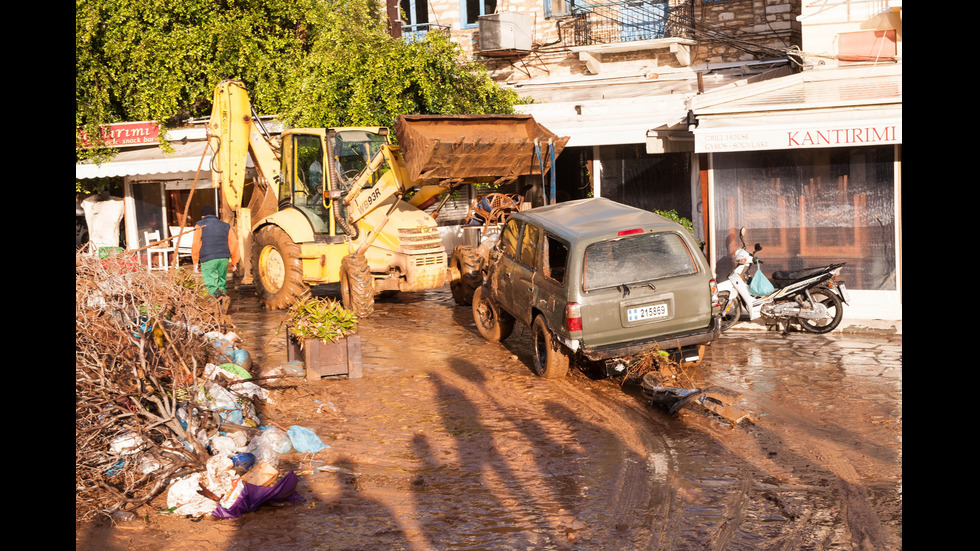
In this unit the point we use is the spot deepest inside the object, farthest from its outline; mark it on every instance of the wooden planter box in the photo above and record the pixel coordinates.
(341, 357)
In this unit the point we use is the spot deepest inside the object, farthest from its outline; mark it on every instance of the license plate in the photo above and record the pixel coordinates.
(843, 292)
(654, 311)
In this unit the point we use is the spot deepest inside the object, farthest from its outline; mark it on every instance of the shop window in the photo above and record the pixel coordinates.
(148, 205)
(808, 208)
(653, 182)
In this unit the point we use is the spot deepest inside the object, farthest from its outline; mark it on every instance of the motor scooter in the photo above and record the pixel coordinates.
(812, 298)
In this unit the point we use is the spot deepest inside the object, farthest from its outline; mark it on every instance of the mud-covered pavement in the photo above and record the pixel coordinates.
(450, 442)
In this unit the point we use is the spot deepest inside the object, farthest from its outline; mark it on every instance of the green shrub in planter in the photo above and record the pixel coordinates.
(320, 319)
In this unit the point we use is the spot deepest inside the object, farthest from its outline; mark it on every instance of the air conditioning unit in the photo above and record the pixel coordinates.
(505, 32)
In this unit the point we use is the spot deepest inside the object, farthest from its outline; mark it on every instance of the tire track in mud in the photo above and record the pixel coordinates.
(798, 446)
(642, 492)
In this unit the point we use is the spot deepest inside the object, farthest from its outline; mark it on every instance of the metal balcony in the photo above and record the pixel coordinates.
(602, 22)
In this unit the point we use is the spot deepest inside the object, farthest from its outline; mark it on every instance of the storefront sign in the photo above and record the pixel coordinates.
(713, 140)
(127, 133)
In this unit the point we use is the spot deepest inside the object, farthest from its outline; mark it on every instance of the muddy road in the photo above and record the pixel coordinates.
(450, 442)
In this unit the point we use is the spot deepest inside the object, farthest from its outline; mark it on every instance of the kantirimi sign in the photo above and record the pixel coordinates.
(714, 140)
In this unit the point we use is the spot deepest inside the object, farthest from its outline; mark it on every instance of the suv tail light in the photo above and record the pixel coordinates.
(714, 292)
(573, 316)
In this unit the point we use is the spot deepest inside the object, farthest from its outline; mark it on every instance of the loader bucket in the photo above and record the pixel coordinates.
(473, 148)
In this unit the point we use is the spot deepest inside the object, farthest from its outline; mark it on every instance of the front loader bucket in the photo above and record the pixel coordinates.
(474, 148)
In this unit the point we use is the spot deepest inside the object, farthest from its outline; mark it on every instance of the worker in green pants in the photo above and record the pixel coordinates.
(215, 247)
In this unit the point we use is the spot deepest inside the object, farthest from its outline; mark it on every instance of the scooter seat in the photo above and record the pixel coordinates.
(796, 275)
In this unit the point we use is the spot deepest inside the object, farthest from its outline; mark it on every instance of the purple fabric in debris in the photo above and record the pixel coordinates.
(252, 497)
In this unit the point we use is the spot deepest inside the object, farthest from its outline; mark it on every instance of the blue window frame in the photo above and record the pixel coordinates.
(471, 10)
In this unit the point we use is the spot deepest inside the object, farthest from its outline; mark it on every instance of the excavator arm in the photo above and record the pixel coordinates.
(233, 134)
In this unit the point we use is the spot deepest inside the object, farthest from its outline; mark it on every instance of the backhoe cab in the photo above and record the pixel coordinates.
(329, 204)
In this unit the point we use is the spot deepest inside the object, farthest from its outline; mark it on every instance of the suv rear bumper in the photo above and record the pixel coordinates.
(669, 342)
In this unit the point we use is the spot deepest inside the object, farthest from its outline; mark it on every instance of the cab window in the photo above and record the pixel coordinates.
(353, 151)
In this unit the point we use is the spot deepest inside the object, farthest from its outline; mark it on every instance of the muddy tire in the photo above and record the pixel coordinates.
(550, 359)
(357, 285)
(277, 268)
(835, 310)
(731, 318)
(494, 324)
(468, 261)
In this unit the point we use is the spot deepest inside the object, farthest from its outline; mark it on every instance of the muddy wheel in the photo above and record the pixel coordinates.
(835, 311)
(550, 360)
(733, 313)
(468, 261)
(494, 324)
(357, 285)
(277, 268)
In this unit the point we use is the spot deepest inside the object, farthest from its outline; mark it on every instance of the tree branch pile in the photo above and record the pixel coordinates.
(140, 349)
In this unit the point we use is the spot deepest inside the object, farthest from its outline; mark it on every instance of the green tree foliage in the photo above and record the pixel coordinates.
(316, 62)
(358, 75)
(160, 59)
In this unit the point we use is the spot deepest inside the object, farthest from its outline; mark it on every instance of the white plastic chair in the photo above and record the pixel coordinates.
(183, 244)
(161, 251)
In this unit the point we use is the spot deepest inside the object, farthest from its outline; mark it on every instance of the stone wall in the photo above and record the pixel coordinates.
(739, 30)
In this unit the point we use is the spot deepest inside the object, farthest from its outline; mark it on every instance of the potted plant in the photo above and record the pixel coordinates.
(321, 332)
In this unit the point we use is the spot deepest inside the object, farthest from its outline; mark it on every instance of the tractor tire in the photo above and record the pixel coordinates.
(357, 285)
(277, 268)
(468, 261)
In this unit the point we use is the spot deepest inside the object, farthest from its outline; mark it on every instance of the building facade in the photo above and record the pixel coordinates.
(774, 115)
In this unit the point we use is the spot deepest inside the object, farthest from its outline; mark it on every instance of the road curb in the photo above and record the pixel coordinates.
(854, 326)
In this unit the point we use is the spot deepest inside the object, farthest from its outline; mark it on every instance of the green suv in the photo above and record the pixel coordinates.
(598, 280)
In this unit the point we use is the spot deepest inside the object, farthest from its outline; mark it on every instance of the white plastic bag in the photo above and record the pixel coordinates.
(183, 499)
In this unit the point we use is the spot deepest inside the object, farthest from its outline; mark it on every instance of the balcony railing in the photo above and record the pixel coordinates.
(603, 22)
(412, 33)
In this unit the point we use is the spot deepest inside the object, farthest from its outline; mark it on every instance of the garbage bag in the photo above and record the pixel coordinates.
(252, 497)
(304, 440)
(760, 285)
(273, 438)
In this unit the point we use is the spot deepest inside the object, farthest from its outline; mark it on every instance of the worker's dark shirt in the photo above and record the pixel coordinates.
(213, 239)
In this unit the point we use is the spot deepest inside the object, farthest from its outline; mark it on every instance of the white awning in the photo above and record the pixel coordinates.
(187, 157)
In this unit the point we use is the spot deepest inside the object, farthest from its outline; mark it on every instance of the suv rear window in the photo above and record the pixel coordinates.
(636, 259)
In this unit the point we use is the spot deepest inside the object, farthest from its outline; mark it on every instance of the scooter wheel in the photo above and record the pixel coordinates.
(835, 311)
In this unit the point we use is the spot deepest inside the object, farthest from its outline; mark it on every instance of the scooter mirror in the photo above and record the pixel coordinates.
(758, 247)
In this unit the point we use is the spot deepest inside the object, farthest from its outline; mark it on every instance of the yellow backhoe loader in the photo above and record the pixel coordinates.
(343, 204)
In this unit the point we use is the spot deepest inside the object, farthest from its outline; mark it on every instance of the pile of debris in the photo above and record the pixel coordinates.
(164, 400)
(674, 385)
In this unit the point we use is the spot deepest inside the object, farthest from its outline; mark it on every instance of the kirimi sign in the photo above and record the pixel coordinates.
(128, 133)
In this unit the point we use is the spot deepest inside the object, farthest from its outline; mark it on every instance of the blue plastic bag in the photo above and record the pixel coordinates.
(760, 285)
(304, 440)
